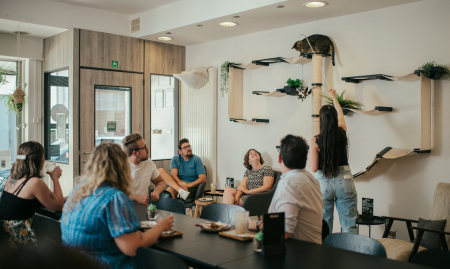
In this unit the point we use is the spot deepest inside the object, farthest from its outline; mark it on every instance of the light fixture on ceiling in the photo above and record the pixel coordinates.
(315, 4)
(199, 25)
(165, 38)
(228, 24)
(168, 33)
(280, 6)
(21, 32)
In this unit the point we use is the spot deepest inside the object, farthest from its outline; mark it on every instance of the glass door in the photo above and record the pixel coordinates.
(112, 114)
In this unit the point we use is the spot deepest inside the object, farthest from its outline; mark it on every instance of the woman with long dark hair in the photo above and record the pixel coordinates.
(328, 159)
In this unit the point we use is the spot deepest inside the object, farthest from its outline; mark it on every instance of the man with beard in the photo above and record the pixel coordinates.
(144, 172)
(187, 169)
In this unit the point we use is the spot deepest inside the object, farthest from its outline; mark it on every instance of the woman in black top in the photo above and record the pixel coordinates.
(328, 159)
(24, 193)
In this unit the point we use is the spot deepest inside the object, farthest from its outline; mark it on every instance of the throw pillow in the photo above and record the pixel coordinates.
(431, 240)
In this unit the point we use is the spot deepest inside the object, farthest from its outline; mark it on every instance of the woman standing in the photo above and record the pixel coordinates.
(99, 217)
(258, 178)
(328, 159)
(25, 193)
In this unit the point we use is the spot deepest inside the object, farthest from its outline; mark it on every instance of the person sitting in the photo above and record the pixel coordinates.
(258, 178)
(99, 218)
(144, 171)
(25, 193)
(186, 169)
(298, 194)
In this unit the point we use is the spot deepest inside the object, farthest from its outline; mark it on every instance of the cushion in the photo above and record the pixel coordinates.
(397, 249)
(431, 240)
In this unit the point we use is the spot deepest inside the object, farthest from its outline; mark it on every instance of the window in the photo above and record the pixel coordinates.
(56, 116)
(164, 117)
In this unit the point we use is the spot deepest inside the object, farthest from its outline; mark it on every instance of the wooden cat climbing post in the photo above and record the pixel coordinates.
(316, 92)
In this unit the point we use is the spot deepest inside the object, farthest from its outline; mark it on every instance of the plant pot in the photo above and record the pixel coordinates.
(345, 110)
(257, 245)
(435, 73)
(151, 214)
(290, 90)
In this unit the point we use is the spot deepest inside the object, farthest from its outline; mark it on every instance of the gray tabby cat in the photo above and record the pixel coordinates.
(320, 43)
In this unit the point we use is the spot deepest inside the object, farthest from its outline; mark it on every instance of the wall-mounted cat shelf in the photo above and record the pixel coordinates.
(358, 79)
(361, 111)
(253, 121)
(278, 93)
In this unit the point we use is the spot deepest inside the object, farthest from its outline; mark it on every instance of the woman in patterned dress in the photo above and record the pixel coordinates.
(258, 178)
(24, 193)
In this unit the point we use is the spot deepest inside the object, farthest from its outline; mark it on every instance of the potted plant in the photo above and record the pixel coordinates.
(224, 75)
(11, 106)
(345, 103)
(292, 87)
(258, 241)
(151, 211)
(432, 70)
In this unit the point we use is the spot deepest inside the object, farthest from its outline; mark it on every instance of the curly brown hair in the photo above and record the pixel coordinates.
(129, 143)
(246, 159)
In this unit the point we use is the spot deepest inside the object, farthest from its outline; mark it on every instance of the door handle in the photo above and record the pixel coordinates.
(86, 153)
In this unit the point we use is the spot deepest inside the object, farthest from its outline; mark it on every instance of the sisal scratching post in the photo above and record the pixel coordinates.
(236, 93)
(425, 112)
(316, 92)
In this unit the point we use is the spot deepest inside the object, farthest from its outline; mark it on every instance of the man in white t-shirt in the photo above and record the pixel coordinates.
(145, 173)
(298, 194)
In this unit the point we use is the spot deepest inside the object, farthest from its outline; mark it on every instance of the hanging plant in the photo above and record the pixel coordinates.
(2, 77)
(10, 105)
(345, 103)
(224, 75)
(433, 70)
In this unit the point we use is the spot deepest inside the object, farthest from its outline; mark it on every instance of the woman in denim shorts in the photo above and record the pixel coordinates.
(328, 159)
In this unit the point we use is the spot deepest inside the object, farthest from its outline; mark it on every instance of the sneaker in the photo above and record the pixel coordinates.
(183, 194)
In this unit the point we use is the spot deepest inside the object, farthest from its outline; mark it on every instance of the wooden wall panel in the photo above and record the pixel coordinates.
(98, 50)
(161, 59)
(58, 50)
(74, 78)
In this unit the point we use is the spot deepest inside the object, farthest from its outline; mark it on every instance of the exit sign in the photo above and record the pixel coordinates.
(115, 64)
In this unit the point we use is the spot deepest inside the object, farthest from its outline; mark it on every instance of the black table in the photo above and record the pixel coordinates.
(302, 254)
(209, 193)
(369, 222)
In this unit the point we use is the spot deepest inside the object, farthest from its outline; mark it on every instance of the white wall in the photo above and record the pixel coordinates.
(393, 41)
(30, 47)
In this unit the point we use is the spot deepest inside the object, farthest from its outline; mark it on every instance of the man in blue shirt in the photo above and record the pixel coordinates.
(187, 169)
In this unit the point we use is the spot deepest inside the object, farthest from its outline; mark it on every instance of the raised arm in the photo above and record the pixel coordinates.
(340, 113)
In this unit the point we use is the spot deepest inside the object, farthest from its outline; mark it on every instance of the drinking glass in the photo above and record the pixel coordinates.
(241, 222)
(162, 215)
(50, 166)
(213, 188)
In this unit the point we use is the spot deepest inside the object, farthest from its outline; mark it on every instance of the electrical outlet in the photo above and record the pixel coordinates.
(36, 120)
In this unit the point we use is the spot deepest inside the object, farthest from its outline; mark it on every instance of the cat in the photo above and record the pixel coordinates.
(320, 43)
(392, 234)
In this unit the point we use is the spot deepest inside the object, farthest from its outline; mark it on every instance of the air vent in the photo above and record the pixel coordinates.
(135, 25)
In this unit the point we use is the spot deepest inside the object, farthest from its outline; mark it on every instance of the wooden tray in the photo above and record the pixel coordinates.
(232, 234)
(175, 234)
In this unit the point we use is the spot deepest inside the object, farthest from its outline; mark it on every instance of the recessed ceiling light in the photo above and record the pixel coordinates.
(168, 33)
(236, 17)
(315, 4)
(164, 38)
(228, 24)
(21, 32)
(280, 6)
(199, 25)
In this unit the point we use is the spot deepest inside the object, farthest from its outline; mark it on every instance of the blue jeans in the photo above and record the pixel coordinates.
(340, 189)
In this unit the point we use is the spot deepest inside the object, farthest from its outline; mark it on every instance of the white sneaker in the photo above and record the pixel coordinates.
(183, 194)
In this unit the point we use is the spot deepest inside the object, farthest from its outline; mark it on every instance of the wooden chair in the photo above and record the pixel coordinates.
(148, 258)
(258, 204)
(47, 228)
(433, 258)
(404, 251)
(220, 212)
(356, 243)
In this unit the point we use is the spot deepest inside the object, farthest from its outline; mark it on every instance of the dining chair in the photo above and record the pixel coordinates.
(258, 204)
(325, 230)
(433, 258)
(148, 258)
(220, 212)
(172, 205)
(356, 243)
(47, 228)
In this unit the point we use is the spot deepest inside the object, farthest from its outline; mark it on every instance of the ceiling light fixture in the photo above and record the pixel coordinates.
(236, 17)
(228, 24)
(280, 6)
(199, 25)
(168, 33)
(164, 38)
(315, 4)
(21, 32)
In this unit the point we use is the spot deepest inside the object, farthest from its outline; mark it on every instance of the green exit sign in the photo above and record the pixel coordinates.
(115, 64)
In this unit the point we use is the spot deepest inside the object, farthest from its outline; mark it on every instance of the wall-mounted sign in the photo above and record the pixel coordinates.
(111, 126)
(115, 64)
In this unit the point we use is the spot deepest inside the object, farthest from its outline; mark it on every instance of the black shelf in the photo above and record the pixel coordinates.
(253, 119)
(259, 92)
(379, 108)
(436, 73)
(268, 61)
(358, 79)
(310, 55)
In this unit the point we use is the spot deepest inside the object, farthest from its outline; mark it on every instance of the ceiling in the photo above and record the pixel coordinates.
(35, 30)
(269, 17)
(128, 7)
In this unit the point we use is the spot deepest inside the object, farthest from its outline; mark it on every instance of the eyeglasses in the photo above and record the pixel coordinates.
(186, 147)
(145, 147)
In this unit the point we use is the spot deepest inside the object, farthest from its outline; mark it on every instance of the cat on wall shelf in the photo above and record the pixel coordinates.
(321, 44)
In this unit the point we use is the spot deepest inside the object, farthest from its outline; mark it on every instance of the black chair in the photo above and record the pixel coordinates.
(220, 212)
(433, 258)
(258, 204)
(155, 259)
(47, 228)
(172, 205)
(190, 202)
(2, 235)
(325, 230)
(356, 243)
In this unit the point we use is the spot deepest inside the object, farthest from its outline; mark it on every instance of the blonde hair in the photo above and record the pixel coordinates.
(108, 165)
(31, 165)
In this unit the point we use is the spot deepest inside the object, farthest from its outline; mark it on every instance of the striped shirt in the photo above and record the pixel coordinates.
(93, 224)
